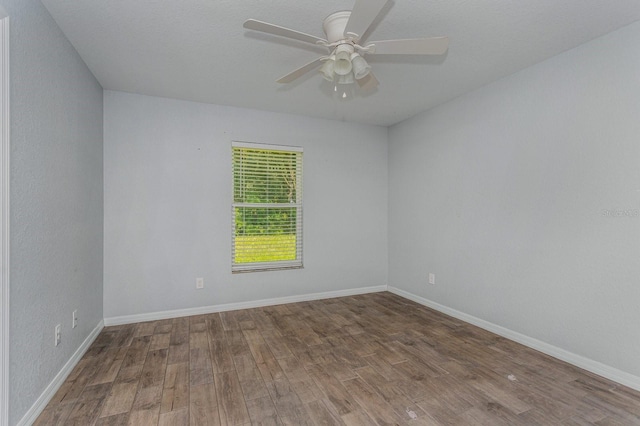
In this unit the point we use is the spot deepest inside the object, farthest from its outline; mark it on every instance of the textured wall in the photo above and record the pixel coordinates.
(523, 198)
(168, 204)
(56, 201)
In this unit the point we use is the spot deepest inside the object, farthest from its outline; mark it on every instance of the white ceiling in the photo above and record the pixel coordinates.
(198, 50)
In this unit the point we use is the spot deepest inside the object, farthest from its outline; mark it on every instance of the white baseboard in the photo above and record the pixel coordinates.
(595, 367)
(36, 409)
(154, 316)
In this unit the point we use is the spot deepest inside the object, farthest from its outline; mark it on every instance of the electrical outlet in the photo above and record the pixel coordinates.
(58, 335)
(74, 318)
(432, 278)
(199, 282)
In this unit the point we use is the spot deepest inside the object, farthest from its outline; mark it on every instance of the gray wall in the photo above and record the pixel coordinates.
(56, 201)
(168, 204)
(502, 194)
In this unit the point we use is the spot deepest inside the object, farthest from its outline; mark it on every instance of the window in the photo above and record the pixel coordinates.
(267, 207)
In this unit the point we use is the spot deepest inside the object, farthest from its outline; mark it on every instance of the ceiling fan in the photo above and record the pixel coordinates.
(344, 31)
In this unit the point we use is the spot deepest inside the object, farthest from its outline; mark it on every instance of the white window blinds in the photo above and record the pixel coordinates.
(267, 207)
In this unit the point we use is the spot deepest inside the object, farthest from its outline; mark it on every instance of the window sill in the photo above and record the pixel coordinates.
(283, 268)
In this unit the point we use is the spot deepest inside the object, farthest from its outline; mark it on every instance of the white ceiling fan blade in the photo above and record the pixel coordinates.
(265, 27)
(416, 46)
(300, 71)
(369, 82)
(362, 16)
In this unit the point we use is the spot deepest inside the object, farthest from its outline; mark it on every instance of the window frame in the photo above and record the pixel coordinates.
(279, 264)
(5, 134)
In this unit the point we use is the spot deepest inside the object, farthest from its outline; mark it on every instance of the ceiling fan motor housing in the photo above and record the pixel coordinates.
(335, 24)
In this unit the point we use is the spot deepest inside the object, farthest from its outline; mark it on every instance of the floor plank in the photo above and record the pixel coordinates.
(120, 399)
(203, 406)
(175, 395)
(233, 409)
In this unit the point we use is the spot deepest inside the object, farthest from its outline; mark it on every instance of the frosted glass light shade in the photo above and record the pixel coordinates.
(360, 67)
(342, 65)
(327, 70)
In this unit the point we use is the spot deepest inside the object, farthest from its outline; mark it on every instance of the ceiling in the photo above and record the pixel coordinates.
(198, 50)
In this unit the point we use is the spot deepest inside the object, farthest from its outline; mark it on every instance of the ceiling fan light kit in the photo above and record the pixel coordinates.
(346, 63)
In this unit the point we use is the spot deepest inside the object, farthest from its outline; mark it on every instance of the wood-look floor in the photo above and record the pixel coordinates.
(362, 360)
